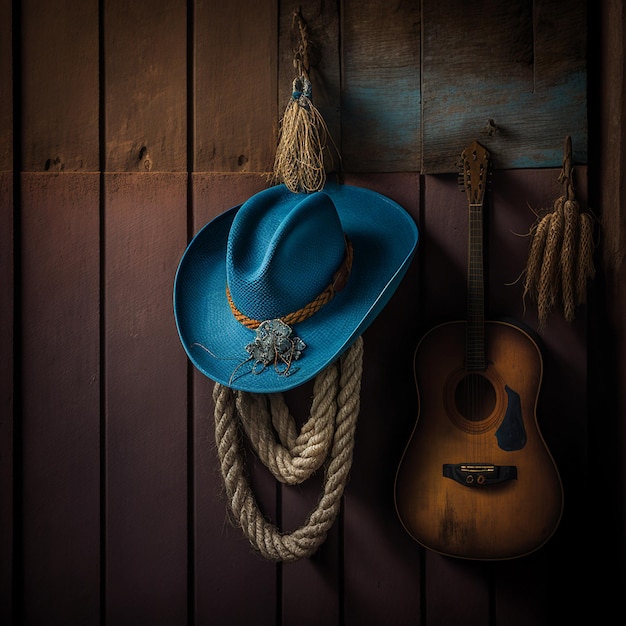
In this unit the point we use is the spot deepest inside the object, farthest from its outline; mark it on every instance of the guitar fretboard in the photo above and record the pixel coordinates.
(475, 347)
(475, 167)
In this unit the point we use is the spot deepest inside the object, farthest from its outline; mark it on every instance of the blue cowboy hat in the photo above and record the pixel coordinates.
(271, 292)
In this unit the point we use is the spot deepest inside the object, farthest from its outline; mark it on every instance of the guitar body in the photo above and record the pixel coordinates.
(477, 480)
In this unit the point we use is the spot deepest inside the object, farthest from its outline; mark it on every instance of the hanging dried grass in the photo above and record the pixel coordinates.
(299, 159)
(303, 155)
(539, 234)
(585, 269)
(560, 259)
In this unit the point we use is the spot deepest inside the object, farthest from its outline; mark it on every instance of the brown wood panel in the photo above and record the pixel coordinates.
(611, 66)
(6, 85)
(146, 85)
(145, 387)
(520, 64)
(607, 342)
(60, 422)
(382, 570)
(235, 70)
(457, 591)
(443, 256)
(231, 584)
(60, 86)
(6, 313)
(6, 394)
(380, 103)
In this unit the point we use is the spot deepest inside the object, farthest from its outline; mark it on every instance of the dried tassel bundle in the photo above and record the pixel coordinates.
(560, 258)
(569, 252)
(299, 160)
(550, 275)
(585, 269)
(539, 234)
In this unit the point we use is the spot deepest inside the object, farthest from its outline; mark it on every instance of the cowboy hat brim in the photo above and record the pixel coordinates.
(384, 238)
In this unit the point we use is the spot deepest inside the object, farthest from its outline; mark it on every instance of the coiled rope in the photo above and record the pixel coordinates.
(326, 437)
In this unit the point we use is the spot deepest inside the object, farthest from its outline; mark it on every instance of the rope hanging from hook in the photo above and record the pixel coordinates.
(302, 153)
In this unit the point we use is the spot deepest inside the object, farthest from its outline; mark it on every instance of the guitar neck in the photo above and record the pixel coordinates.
(475, 162)
(475, 340)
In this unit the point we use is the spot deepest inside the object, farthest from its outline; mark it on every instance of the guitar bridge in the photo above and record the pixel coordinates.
(479, 474)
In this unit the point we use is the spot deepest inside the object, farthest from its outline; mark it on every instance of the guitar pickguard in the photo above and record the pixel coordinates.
(511, 434)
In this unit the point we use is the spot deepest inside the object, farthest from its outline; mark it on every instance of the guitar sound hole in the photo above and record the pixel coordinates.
(475, 397)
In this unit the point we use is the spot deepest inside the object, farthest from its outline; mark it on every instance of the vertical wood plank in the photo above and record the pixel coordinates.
(7, 401)
(146, 85)
(521, 65)
(235, 121)
(145, 381)
(6, 314)
(607, 339)
(145, 385)
(6, 83)
(60, 86)
(59, 286)
(61, 406)
(380, 86)
(382, 569)
(611, 66)
(232, 583)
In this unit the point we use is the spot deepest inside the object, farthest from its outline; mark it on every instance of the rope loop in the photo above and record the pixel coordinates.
(327, 438)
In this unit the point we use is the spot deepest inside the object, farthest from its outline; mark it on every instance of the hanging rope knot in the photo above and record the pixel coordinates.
(302, 92)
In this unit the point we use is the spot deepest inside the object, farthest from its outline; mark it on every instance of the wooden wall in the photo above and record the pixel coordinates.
(126, 126)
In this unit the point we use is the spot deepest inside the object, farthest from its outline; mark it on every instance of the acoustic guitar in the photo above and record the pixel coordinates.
(476, 479)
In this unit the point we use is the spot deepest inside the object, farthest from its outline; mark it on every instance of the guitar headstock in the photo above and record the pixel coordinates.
(474, 172)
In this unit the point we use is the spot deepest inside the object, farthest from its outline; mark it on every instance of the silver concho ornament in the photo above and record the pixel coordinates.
(274, 344)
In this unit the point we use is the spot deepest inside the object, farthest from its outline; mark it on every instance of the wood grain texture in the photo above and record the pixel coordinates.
(611, 66)
(60, 86)
(145, 93)
(6, 86)
(60, 421)
(380, 100)
(145, 401)
(235, 119)
(521, 65)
